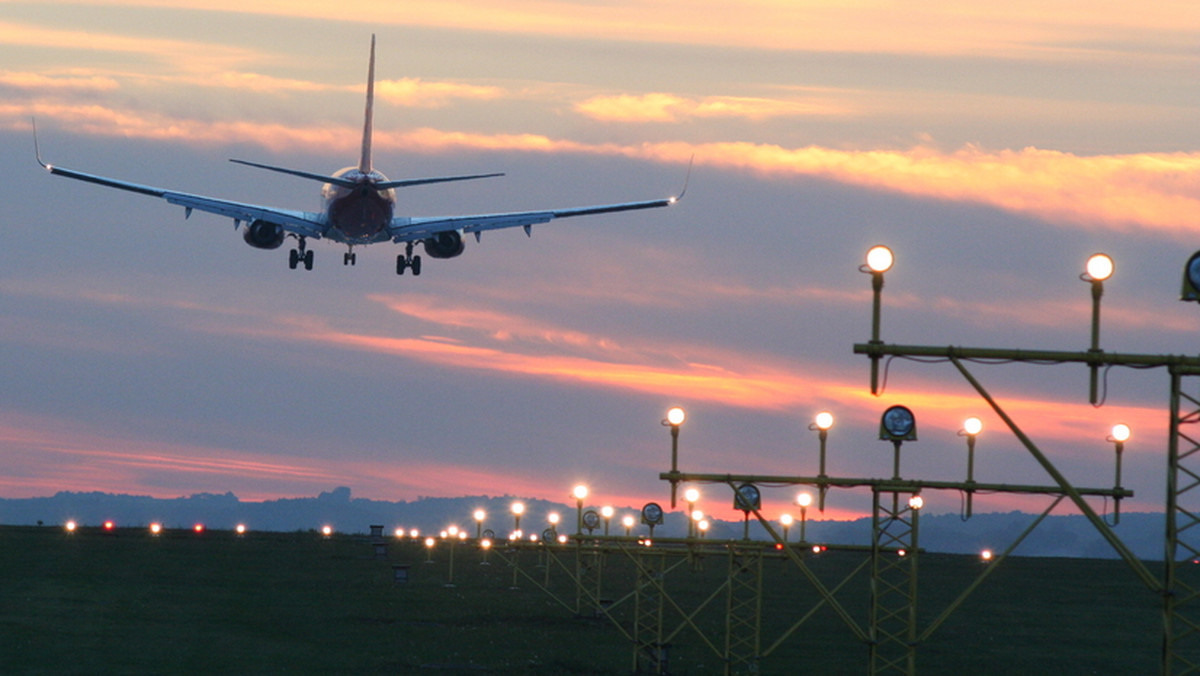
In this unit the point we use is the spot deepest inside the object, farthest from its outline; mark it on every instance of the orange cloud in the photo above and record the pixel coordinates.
(1020, 28)
(660, 107)
(420, 93)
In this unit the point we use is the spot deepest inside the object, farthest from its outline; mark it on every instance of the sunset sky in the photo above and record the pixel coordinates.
(992, 146)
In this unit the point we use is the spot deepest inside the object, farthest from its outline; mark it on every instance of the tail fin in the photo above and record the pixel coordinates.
(364, 163)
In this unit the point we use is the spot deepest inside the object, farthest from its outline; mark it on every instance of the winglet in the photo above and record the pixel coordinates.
(37, 151)
(686, 180)
(364, 163)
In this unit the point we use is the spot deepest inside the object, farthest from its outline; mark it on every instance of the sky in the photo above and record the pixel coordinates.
(993, 147)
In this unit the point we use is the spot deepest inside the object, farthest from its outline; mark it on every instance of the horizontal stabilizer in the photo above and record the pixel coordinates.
(382, 185)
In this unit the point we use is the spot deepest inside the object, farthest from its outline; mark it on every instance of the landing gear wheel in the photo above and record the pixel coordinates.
(349, 258)
(308, 259)
(293, 259)
(415, 264)
(401, 264)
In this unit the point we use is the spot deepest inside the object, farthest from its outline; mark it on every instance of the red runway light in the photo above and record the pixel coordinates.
(199, 528)
(109, 525)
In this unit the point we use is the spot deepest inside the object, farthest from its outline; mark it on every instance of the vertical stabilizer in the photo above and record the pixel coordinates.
(364, 163)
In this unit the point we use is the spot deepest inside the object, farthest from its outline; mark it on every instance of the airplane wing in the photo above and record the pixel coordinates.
(306, 223)
(412, 229)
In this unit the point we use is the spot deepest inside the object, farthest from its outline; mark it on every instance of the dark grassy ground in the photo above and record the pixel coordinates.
(90, 603)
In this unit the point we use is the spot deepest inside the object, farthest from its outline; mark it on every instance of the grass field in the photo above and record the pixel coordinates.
(91, 603)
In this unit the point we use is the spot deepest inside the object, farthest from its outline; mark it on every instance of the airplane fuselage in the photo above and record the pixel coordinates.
(360, 214)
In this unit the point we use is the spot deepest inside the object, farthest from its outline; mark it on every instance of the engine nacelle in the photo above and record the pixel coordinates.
(264, 235)
(444, 245)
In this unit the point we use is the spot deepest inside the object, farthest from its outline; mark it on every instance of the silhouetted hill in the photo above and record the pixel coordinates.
(1068, 535)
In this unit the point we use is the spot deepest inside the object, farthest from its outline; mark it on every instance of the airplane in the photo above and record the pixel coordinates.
(359, 205)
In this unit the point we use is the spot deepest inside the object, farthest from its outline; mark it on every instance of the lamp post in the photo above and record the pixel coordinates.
(970, 429)
(628, 521)
(518, 508)
(691, 495)
(879, 261)
(607, 512)
(822, 424)
(480, 515)
(1120, 434)
(1099, 268)
(804, 500)
(580, 492)
(786, 520)
(674, 419)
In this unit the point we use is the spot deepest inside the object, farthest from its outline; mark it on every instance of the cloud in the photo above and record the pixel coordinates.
(1023, 28)
(420, 93)
(57, 81)
(662, 107)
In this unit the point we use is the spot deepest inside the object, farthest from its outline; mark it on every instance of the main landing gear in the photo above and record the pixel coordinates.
(349, 258)
(408, 260)
(300, 254)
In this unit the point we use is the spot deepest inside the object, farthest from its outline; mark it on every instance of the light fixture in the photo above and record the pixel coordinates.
(676, 416)
(972, 427)
(898, 424)
(747, 498)
(880, 259)
(1099, 267)
(1191, 279)
(823, 421)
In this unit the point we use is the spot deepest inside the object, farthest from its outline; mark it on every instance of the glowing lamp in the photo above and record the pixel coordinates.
(880, 259)
(199, 528)
(70, 526)
(518, 508)
(676, 416)
(1121, 432)
(972, 426)
(240, 529)
(691, 495)
(326, 530)
(607, 511)
(155, 528)
(109, 525)
(916, 502)
(1099, 267)
(786, 519)
(824, 420)
(804, 499)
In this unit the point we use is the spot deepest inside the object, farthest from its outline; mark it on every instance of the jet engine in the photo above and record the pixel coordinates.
(444, 245)
(264, 235)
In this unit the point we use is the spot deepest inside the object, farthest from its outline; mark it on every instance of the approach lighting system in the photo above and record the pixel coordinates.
(675, 418)
(747, 498)
(898, 424)
(1191, 279)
